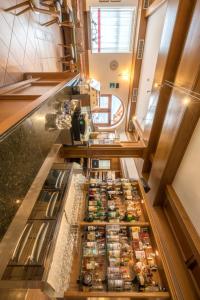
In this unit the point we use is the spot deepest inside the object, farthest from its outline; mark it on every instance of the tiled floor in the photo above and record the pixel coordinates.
(25, 45)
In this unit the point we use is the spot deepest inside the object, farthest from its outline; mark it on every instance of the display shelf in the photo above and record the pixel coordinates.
(93, 262)
(84, 295)
(115, 201)
(137, 250)
(78, 290)
(96, 204)
(128, 224)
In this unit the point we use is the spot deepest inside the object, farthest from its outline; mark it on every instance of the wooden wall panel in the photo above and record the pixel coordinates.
(180, 119)
(186, 237)
(179, 280)
(178, 17)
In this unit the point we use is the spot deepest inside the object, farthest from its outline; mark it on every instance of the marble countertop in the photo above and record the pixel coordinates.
(22, 153)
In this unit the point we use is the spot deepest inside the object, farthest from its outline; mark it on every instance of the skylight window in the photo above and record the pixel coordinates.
(112, 29)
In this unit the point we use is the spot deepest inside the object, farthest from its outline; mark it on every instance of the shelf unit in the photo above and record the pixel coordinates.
(77, 291)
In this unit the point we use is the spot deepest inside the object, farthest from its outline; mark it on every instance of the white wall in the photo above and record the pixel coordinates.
(99, 64)
(151, 49)
(100, 70)
(187, 180)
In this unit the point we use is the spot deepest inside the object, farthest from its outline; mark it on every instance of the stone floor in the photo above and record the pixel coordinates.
(25, 45)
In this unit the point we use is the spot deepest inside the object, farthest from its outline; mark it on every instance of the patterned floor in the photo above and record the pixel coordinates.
(25, 45)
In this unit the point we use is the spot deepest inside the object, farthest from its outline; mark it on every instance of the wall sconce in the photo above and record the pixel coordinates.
(157, 85)
(186, 101)
(124, 75)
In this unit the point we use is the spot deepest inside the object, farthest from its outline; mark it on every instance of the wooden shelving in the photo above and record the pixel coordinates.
(128, 224)
(136, 295)
(78, 291)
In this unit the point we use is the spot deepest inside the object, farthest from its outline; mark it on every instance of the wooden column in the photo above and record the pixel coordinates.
(182, 114)
(177, 22)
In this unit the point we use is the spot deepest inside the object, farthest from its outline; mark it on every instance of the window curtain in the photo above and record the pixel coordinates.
(111, 29)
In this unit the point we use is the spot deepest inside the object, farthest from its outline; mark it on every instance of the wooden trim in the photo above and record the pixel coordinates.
(131, 150)
(128, 224)
(14, 119)
(50, 75)
(177, 22)
(17, 85)
(138, 128)
(46, 82)
(184, 220)
(174, 268)
(154, 7)
(19, 97)
(135, 295)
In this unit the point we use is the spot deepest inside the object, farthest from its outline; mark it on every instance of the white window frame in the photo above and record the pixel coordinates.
(130, 38)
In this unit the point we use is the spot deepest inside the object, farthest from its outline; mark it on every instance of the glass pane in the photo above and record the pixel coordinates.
(111, 29)
(100, 118)
(104, 164)
(116, 110)
(103, 102)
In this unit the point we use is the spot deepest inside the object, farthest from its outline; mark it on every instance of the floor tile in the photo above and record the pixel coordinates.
(5, 31)
(25, 45)
(17, 50)
(2, 76)
(19, 33)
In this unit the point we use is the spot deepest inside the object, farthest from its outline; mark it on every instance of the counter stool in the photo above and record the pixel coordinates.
(64, 59)
(73, 67)
(48, 3)
(57, 21)
(59, 18)
(56, 4)
(69, 56)
(78, 46)
(29, 5)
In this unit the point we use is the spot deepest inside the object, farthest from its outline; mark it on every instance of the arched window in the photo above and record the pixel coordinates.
(109, 112)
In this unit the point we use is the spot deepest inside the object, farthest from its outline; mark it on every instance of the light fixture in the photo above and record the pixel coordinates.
(186, 101)
(124, 75)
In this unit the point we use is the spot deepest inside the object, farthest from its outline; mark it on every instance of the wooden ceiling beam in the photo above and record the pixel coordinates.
(104, 151)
